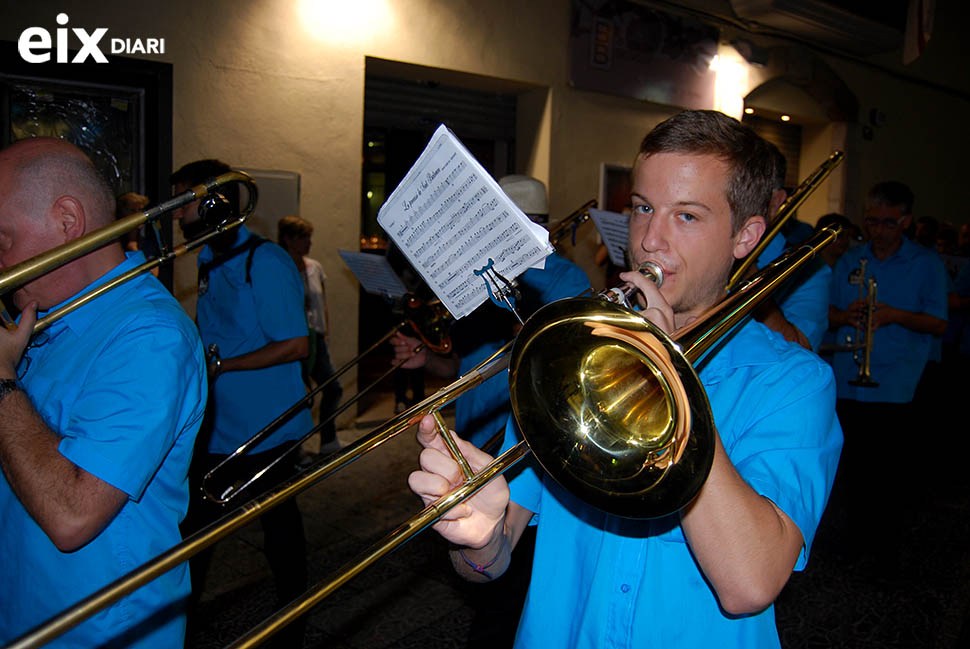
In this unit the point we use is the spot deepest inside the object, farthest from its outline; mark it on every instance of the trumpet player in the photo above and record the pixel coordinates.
(911, 308)
(708, 574)
(98, 416)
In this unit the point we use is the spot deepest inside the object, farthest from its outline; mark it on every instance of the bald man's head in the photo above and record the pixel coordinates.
(51, 194)
(44, 169)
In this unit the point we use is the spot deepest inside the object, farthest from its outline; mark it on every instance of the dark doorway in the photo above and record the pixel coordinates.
(403, 105)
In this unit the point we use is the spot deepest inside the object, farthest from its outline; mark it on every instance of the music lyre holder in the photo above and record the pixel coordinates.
(501, 291)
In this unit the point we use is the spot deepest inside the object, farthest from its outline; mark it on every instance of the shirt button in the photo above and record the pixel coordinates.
(625, 588)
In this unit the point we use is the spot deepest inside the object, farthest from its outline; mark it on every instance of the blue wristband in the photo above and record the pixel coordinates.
(477, 567)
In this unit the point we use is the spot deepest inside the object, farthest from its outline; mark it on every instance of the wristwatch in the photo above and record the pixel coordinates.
(9, 385)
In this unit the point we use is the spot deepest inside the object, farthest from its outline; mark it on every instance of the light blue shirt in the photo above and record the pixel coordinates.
(122, 381)
(604, 581)
(241, 317)
(804, 300)
(912, 279)
(481, 412)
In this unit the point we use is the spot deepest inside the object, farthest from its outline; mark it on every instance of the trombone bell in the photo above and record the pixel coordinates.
(624, 426)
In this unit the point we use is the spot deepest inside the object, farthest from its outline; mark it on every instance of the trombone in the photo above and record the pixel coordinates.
(785, 211)
(650, 465)
(220, 490)
(214, 211)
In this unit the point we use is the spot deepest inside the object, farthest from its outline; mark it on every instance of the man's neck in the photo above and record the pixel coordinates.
(223, 243)
(74, 277)
(882, 252)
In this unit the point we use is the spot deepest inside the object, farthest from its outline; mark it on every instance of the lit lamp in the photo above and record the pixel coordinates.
(730, 85)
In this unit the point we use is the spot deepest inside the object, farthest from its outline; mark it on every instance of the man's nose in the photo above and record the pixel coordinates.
(654, 235)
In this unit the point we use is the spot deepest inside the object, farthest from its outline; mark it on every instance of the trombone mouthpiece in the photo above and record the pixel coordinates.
(652, 271)
(621, 294)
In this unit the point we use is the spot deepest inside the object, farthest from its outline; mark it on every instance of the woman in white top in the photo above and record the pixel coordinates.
(294, 234)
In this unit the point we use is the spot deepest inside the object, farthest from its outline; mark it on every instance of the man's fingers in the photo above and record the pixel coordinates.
(428, 485)
(26, 327)
(441, 463)
(427, 432)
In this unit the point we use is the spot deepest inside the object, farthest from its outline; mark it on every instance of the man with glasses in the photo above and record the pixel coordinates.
(910, 308)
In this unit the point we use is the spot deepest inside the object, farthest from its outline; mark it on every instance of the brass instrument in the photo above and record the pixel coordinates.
(864, 378)
(618, 437)
(569, 224)
(429, 321)
(212, 210)
(785, 212)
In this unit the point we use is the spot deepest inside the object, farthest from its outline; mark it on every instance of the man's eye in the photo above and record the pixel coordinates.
(687, 217)
(642, 209)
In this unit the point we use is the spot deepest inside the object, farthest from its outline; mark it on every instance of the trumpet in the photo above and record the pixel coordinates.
(867, 291)
(213, 210)
(640, 457)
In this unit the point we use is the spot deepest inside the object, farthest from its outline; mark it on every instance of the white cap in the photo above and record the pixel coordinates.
(527, 192)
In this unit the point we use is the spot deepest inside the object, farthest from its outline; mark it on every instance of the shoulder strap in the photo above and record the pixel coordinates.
(249, 245)
(255, 242)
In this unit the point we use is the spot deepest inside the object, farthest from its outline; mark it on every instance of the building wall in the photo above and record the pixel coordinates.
(256, 84)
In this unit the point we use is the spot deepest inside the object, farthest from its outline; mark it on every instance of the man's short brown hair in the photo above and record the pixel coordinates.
(708, 132)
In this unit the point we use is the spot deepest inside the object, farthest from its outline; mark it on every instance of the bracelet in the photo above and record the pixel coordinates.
(9, 385)
(479, 568)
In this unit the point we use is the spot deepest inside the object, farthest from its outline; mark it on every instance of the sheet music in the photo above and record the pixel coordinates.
(374, 273)
(615, 230)
(449, 217)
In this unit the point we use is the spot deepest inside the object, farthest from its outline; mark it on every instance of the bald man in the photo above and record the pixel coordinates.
(98, 415)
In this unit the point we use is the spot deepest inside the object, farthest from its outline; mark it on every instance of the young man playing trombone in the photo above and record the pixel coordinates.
(708, 573)
(98, 415)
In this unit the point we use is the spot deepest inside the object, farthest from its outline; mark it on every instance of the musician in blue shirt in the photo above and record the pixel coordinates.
(708, 574)
(97, 434)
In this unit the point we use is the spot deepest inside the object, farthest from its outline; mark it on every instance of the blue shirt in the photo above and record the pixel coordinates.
(912, 279)
(804, 300)
(481, 412)
(122, 381)
(242, 316)
(604, 581)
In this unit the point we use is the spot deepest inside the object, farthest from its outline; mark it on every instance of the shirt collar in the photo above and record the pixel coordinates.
(748, 345)
(906, 251)
(79, 320)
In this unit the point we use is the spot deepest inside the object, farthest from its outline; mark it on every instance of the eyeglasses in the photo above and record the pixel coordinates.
(889, 224)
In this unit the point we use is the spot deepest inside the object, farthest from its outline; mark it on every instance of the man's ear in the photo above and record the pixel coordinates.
(749, 235)
(69, 217)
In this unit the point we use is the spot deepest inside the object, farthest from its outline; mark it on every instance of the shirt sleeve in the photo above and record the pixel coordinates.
(525, 483)
(789, 453)
(278, 294)
(807, 305)
(146, 388)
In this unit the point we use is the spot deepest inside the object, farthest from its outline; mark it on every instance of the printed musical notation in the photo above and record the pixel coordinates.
(449, 217)
(374, 273)
(615, 230)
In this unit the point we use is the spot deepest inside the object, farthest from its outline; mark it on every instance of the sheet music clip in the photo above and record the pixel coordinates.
(499, 288)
